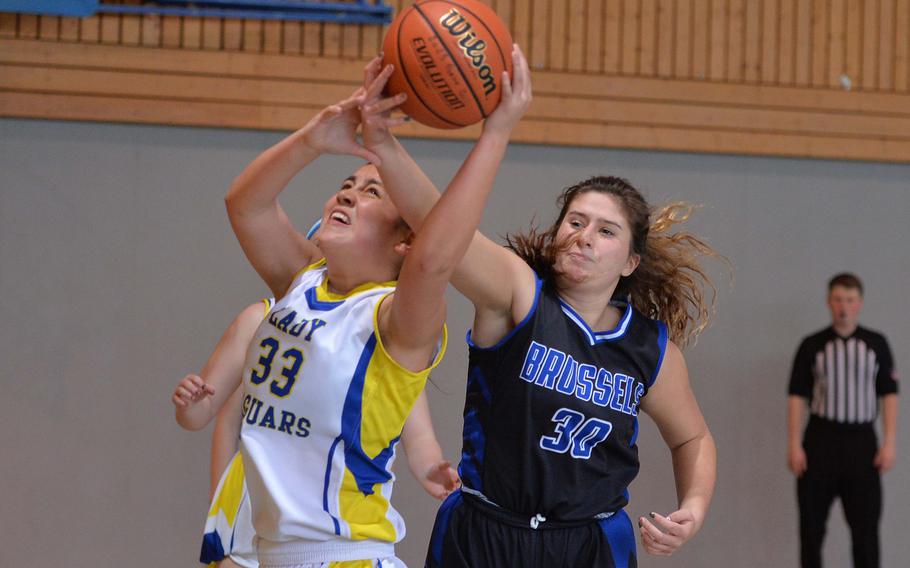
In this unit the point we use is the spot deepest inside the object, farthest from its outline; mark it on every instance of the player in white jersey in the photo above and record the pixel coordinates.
(336, 367)
(228, 538)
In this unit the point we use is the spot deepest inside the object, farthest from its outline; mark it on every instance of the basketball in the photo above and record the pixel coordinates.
(449, 57)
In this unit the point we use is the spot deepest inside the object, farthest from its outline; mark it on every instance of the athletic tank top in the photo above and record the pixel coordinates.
(324, 406)
(550, 418)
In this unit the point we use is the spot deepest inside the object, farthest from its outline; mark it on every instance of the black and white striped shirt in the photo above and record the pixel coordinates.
(843, 377)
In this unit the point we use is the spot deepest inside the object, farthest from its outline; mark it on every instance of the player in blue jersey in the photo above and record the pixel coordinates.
(575, 331)
(337, 365)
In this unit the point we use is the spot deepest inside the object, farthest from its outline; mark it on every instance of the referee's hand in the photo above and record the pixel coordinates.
(796, 460)
(885, 458)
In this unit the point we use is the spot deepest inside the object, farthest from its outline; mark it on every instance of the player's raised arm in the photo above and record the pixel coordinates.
(499, 283)
(450, 226)
(268, 238)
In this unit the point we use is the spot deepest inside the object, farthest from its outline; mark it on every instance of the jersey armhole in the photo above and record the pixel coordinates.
(437, 358)
(268, 304)
(538, 283)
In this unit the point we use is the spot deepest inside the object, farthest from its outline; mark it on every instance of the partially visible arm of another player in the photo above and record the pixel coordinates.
(198, 398)
(672, 406)
(225, 438)
(424, 453)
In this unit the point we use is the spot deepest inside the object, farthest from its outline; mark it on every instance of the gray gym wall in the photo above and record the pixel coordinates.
(118, 273)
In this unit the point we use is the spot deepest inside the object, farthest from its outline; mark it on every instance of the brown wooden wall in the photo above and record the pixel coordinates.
(822, 78)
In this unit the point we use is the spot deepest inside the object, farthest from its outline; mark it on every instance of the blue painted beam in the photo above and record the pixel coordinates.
(74, 8)
(360, 12)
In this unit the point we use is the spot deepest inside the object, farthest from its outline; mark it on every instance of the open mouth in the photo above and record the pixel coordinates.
(340, 217)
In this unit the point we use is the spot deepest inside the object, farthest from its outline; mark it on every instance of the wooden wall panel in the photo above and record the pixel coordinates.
(902, 46)
(825, 78)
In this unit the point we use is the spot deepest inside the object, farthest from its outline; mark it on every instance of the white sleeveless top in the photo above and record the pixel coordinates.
(324, 405)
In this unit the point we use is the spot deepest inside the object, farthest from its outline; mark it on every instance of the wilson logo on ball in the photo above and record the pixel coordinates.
(449, 57)
(459, 27)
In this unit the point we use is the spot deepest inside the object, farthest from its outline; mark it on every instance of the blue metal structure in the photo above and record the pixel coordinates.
(353, 12)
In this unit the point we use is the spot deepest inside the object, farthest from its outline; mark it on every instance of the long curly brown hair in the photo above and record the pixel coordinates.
(669, 283)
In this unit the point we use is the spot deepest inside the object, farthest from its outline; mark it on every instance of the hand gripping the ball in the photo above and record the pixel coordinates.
(376, 109)
(516, 95)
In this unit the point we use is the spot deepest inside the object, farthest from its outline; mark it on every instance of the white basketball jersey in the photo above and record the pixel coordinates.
(324, 406)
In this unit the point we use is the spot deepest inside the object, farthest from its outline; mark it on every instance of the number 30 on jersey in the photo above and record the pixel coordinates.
(574, 434)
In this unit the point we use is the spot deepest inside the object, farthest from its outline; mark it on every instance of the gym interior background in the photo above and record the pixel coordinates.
(789, 122)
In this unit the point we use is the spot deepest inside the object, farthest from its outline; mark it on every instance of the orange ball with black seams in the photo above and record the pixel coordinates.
(449, 57)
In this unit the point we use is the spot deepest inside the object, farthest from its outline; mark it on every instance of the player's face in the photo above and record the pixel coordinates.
(845, 305)
(600, 237)
(361, 212)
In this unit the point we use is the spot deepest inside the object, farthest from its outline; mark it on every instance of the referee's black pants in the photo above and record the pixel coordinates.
(840, 464)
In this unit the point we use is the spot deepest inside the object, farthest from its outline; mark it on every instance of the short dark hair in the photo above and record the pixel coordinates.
(846, 280)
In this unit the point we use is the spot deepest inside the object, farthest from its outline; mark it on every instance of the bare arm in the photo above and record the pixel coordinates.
(199, 397)
(425, 458)
(225, 438)
(500, 284)
(271, 243)
(796, 456)
(418, 311)
(887, 452)
(672, 405)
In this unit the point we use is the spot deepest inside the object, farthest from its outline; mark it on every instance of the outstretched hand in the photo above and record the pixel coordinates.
(191, 390)
(665, 535)
(441, 479)
(376, 110)
(516, 95)
(334, 129)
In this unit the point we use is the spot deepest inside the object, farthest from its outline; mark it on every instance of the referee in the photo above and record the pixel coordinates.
(841, 372)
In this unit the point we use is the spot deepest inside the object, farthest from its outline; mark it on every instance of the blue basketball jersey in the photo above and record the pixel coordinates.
(550, 419)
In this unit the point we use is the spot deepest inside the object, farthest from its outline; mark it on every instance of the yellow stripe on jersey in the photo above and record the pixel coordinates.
(269, 304)
(352, 564)
(389, 392)
(230, 492)
(388, 395)
(365, 515)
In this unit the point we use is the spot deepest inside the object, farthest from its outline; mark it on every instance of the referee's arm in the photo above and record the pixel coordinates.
(800, 390)
(887, 453)
(886, 388)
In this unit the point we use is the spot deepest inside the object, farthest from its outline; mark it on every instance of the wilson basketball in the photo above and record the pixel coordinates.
(449, 57)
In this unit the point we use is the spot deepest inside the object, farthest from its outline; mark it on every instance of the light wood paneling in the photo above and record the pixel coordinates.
(825, 78)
